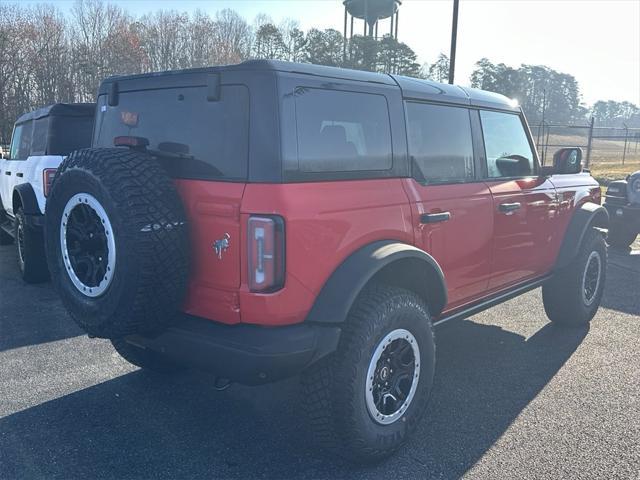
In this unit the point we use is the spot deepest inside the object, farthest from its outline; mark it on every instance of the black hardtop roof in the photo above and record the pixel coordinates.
(60, 109)
(411, 87)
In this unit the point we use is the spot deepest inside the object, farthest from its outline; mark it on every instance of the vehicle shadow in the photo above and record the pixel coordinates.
(29, 314)
(145, 425)
(622, 292)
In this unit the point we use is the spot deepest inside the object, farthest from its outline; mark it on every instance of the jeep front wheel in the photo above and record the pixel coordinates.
(572, 296)
(368, 397)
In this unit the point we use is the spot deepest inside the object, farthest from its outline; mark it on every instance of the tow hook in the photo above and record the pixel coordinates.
(221, 383)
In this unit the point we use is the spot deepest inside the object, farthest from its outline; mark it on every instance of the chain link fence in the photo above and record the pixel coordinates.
(601, 145)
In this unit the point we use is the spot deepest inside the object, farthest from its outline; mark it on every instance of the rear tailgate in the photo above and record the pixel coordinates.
(213, 210)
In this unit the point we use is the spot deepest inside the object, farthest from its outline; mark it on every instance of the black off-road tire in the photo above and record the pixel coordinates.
(334, 389)
(145, 359)
(149, 277)
(564, 297)
(620, 236)
(30, 251)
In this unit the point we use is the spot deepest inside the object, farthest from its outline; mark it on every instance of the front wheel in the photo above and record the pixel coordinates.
(572, 296)
(368, 397)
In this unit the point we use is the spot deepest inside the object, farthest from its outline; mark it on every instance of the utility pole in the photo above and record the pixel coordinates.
(454, 38)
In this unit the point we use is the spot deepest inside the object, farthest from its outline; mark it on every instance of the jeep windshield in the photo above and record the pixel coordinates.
(192, 137)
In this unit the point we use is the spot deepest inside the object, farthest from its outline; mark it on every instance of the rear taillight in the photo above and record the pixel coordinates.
(48, 175)
(266, 253)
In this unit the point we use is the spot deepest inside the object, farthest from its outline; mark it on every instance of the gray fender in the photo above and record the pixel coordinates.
(588, 215)
(24, 192)
(388, 261)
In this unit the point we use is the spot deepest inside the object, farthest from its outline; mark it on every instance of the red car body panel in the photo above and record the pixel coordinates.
(213, 210)
(480, 249)
(324, 223)
(523, 238)
(463, 245)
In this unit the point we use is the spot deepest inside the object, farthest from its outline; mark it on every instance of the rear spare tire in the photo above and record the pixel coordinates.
(117, 242)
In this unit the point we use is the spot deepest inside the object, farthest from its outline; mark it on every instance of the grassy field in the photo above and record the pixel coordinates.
(606, 156)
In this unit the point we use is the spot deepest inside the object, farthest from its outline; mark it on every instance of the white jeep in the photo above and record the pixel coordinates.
(40, 141)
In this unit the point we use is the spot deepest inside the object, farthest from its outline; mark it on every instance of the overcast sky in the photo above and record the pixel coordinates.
(597, 41)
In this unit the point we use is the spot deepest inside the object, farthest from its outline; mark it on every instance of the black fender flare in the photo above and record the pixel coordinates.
(24, 192)
(401, 264)
(588, 215)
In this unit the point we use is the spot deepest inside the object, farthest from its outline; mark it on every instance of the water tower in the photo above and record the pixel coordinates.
(371, 12)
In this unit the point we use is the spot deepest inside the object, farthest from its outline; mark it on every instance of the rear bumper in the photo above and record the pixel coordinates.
(247, 354)
(628, 214)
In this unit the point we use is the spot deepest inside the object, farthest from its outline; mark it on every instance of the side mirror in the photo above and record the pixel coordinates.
(567, 161)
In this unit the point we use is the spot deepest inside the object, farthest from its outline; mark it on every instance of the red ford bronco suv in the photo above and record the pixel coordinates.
(269, 219)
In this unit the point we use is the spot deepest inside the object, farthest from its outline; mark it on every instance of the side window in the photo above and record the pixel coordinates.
(15, 141)
(507, 147)
(21, 141)
(440, 143)
(342, 131)
(39, 142)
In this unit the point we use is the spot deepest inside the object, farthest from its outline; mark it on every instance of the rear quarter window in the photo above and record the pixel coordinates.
(340, 131)
(213, 137)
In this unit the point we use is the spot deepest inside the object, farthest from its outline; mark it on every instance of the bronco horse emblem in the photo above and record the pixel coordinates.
(221, 245)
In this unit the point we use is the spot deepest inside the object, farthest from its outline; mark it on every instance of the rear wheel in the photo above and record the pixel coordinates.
(32, 258)
(572, 296)
(144, 358)
(368, 397)
(620, 236)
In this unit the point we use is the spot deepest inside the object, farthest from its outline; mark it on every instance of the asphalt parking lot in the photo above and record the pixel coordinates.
(514, 398)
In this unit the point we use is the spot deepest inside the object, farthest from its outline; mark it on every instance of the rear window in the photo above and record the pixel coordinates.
(341, 131)
(203, 139)
(440, 143)
(67, 134)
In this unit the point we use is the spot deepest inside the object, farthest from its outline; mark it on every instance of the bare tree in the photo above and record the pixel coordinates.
(164, 38)
(97, 51)
(232, 38)
(47, 53)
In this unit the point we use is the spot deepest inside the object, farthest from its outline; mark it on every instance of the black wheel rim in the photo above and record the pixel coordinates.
(591, 278)
(393, 376)
(87, 245)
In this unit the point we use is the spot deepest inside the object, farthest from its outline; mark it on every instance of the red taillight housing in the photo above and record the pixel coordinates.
(265, 241)
(48, 174)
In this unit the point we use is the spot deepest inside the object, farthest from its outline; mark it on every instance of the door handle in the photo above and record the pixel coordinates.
(435, 217)
(509, 207)
(20, 174)
(7, 172)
